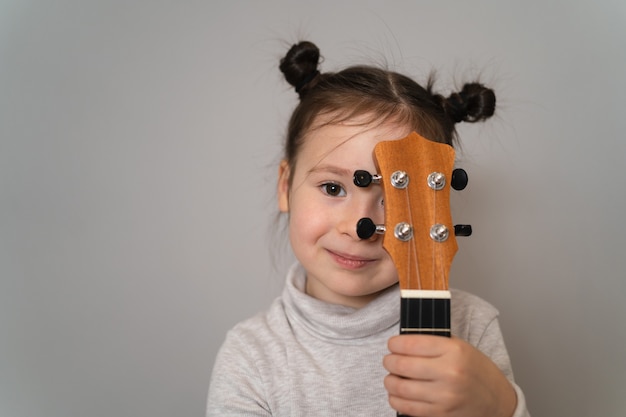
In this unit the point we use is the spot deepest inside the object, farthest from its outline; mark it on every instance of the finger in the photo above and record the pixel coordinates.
(418, 345)
(413, 367)
(408, 397)
(410, 408)
(410, 389)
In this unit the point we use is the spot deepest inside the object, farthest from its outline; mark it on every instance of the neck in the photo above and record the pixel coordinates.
(425, 312)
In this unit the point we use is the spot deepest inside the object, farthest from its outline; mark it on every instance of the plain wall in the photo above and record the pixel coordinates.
(138, 151)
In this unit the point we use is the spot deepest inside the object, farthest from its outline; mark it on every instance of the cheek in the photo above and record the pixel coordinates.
(392, 272)
(304, 222)
(307, 223)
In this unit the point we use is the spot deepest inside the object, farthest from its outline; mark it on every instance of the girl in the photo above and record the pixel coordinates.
(329, 345)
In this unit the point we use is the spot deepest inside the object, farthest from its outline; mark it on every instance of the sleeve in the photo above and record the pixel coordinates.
(236, 387)
(491, 343)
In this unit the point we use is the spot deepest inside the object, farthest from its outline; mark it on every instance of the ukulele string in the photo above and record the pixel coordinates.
(434, 245)
(412, 259)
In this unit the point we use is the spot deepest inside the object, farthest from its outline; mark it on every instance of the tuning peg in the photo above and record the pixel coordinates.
(363, 178)
(459, 179)
(365, 228)
(462, 230)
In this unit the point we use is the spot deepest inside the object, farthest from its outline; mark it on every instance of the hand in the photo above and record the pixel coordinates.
(434, 376)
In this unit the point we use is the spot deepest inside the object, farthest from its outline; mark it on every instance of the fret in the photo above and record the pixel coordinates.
(425, 316)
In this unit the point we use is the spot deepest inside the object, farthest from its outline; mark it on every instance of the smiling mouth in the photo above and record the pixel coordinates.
(350, 262)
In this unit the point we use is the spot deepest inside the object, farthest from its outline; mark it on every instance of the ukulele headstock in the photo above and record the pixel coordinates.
(416, 175)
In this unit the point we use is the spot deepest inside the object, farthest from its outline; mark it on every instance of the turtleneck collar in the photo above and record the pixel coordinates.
(337, 322)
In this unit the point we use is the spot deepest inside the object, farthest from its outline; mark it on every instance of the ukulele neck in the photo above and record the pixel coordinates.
(425, 312)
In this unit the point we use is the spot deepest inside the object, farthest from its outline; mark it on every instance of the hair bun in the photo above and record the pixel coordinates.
(473, 103)
(299, 66)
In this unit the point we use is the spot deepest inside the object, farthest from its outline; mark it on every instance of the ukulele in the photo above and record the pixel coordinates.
(416, 175)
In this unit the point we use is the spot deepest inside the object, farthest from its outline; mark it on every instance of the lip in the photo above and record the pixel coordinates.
(350, 261)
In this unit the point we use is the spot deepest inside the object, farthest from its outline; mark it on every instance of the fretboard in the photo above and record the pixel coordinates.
(425, 312)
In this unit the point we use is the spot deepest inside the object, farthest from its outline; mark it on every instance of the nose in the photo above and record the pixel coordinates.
(361, 218)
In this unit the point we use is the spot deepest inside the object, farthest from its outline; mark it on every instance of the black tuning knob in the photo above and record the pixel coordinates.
(363, 178)
(365, 228)
(462, 230)
(459, 179)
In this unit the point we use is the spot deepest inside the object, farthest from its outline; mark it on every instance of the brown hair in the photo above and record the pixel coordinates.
(385, 95)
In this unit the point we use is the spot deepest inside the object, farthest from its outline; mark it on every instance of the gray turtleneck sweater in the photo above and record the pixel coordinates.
(305, 357)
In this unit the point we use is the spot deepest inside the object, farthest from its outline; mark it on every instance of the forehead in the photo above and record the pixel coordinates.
(349, 141)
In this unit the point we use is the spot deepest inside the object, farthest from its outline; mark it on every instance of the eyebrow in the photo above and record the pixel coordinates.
(333, 169)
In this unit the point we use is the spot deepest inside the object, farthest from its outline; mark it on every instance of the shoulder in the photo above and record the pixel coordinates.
(258, 341)
(466, 302)
(471, 316)
(238, 379)
(260, 329)
(246, 358)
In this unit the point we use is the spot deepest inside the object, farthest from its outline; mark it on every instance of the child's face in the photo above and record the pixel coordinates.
(324, 207)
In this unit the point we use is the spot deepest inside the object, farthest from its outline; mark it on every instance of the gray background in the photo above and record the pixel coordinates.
(138, 151)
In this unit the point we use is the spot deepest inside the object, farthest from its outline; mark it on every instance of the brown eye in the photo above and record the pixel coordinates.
(332, 189)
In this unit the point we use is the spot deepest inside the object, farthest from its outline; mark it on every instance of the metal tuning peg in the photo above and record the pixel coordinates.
(363, 178)
(459, 179)
(462, 229)
(365, 228)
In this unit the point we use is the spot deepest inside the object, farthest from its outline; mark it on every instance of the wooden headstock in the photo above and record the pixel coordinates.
(421, 208)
